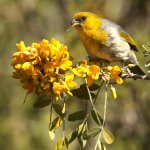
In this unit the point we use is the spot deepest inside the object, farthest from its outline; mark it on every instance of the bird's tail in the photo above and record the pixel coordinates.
(136, 70)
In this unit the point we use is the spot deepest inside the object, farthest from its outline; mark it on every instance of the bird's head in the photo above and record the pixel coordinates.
(86, 20)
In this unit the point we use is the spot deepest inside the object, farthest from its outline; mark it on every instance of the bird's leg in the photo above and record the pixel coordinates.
(92, 59)
(89, 58)
(122, 64)
(104, 63)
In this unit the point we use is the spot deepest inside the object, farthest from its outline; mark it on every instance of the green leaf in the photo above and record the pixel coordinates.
(79, 115)
(97, 118)
(82, 92)
(59, 145)
(55, 124)
(58, 109)
(92, 133)
(82, 128)
(52, 135)
(77, 133)
(65, 142)
(113, 91)
(72, 137)
(107, 136)
(64, 108)
(82, 142)
(101, 146)
(94, 87)
(43, 101)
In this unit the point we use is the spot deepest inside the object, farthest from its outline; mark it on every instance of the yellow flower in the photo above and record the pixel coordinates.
(65, 64)
(84, 70)
(58, 88)
(55, 43)
(80, 71)
(18, 66)
(93, 72)
(49, 68)
(64, 86)
(115, 73)
(21, 46)
(69, 80)
(28, 67)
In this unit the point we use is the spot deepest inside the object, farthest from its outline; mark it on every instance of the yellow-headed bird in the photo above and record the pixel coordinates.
(105, 40)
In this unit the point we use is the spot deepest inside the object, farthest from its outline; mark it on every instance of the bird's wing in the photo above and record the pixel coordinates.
(129, 40)
(109, 26)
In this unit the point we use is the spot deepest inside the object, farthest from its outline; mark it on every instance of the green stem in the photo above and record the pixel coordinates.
(97, 141)
(25, 98)
(104, 118)
(91, 100)
(105, 105)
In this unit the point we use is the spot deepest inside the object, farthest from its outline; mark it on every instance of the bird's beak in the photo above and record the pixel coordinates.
(75, 23)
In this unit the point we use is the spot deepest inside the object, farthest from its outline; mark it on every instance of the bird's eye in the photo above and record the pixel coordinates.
(83, 18)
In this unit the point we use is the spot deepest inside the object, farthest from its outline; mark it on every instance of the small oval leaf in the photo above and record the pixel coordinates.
(94, 87)
(72, 137)
(57, 108)
(97, 118)
(92, 133)
(113, 92)
(64, 108)
(55, 124)
(101, 146)
(59, 145)
(82, 142)
(82, 93)
(52, 135)
(107, 136)
(42, 102)
(79, 115)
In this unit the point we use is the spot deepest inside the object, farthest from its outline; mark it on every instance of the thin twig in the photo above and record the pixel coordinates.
(94, 111)
(91, 100)
(135, 76)
(25, 98)
(105, 105)
(97, 141)
(104, 117)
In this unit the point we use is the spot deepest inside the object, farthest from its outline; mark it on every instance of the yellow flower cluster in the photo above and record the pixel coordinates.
(114, 74)
(43, 68)
(92, 72)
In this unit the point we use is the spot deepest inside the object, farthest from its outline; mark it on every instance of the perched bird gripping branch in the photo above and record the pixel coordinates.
(105, 40)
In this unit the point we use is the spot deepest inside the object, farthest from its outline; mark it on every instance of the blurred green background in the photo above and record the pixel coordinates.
(23, 127)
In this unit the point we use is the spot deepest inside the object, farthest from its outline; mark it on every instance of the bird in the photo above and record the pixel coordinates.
(106, 41)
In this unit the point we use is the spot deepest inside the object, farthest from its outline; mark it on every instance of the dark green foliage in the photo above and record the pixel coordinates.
(42, 102)
(79, 115)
